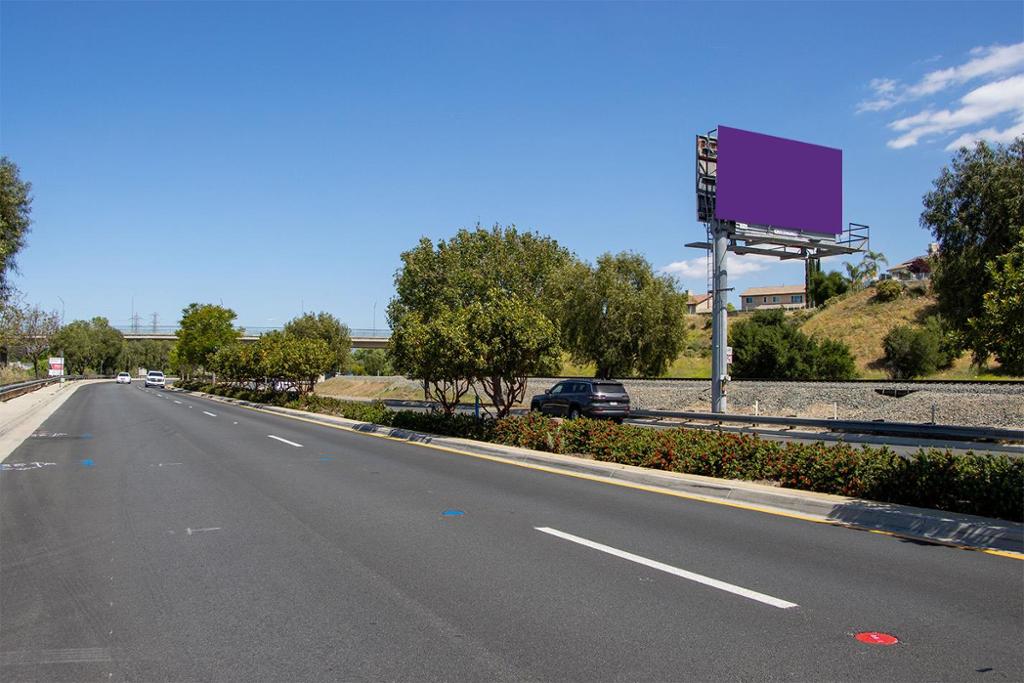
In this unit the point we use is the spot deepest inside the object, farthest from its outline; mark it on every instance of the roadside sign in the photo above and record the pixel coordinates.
(728, 355)
(56, 367)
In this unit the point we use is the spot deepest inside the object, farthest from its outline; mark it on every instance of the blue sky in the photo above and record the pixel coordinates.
(276, 157)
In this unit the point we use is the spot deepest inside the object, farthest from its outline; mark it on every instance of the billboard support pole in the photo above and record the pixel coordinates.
(720, 317)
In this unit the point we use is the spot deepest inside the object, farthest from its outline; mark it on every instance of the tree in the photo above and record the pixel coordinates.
(443, 291)
(328, 329)
(769, 346)
(275, 362)
(371, 362)
(27, 330)
(870, 265)
(150, 354)
(15, 209)
(624, 318)
(435, 351)
(976, 213)
(203, 329)
(999, 326)
(90, 345)
(37, 330)
(823, 287)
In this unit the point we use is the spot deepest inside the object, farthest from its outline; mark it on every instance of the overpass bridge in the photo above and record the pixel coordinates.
(362, 338)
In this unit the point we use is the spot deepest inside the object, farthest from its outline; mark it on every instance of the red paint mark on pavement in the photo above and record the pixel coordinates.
(876, 638)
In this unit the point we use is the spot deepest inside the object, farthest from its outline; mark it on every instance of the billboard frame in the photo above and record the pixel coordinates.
(741, 238)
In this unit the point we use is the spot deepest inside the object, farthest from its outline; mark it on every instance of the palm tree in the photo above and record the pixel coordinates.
(854, 274)
(870, 264)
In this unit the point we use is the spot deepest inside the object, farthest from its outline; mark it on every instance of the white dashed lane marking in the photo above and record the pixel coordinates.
(290, 443)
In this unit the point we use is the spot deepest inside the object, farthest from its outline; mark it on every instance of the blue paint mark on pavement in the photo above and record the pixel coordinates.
(86, 436)
(326, 458)
(88, 463)
(452, 513)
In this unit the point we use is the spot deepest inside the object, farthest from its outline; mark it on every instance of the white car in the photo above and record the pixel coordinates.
(155, 378)
(124, 378)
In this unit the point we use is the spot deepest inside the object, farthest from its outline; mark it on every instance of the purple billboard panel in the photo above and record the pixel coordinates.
(765, 180)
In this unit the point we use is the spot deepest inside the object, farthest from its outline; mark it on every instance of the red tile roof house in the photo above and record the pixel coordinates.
(701, 303)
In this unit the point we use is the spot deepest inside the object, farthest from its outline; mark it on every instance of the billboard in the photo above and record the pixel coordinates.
(765, 180)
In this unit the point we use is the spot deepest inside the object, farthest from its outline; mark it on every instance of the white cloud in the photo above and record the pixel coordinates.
(694, 272)
(1000, 97)
(979, 105)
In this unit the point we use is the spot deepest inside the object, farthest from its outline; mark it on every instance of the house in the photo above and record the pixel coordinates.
(917, 268)
(778, 296)
(698, 304)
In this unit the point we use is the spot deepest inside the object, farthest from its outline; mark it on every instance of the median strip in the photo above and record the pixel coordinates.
(669, 569)
(290, 443)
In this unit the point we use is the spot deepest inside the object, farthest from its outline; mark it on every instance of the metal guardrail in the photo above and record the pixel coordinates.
(906, 429)
(9, 391)
(927, 430)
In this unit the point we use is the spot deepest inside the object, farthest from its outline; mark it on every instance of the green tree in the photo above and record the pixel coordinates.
(871, 263)
(436, 351)
(28, 330)
(769, 346)
(90, 345)
(149, 354)
(285, 361)
(203, 329)
(328, 329)
(75, 341)
(15, 210)
(371, 362)
(976, 213)
(824, 286)
(999, 326)
(443, 291)
(624, 318)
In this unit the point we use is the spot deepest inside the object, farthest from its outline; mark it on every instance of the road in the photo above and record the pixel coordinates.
(167, 537)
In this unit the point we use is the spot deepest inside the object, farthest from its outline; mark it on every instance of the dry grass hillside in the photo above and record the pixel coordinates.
(861, 322)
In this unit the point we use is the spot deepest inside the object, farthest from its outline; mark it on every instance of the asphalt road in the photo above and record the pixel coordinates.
(166, 537)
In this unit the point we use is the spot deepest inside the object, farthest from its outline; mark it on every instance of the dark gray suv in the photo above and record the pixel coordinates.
(572, 398)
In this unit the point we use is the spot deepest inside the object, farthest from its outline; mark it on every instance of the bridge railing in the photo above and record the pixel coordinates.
(254, 330)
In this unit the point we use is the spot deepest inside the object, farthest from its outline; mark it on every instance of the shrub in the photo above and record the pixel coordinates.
(768, 346)
(888, 290)
(914, 352)
(968, 483)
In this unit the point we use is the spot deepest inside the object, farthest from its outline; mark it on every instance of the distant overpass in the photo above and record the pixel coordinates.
(361, 338)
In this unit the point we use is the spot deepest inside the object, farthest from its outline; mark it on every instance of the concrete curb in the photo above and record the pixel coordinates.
(936, 526)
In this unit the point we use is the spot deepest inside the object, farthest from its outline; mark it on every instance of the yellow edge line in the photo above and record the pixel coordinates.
(641, 487)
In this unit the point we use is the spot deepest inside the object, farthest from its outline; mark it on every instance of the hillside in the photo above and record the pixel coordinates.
(862, 323)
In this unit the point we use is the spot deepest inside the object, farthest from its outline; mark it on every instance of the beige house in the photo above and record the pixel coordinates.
(700, 303)
(778, 296)
(917, 268)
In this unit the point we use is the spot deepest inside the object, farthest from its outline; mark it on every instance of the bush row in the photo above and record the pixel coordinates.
(992, 486)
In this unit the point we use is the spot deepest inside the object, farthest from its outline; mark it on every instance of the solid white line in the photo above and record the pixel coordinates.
(207, 412)
(699, 578)
(290, 443)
